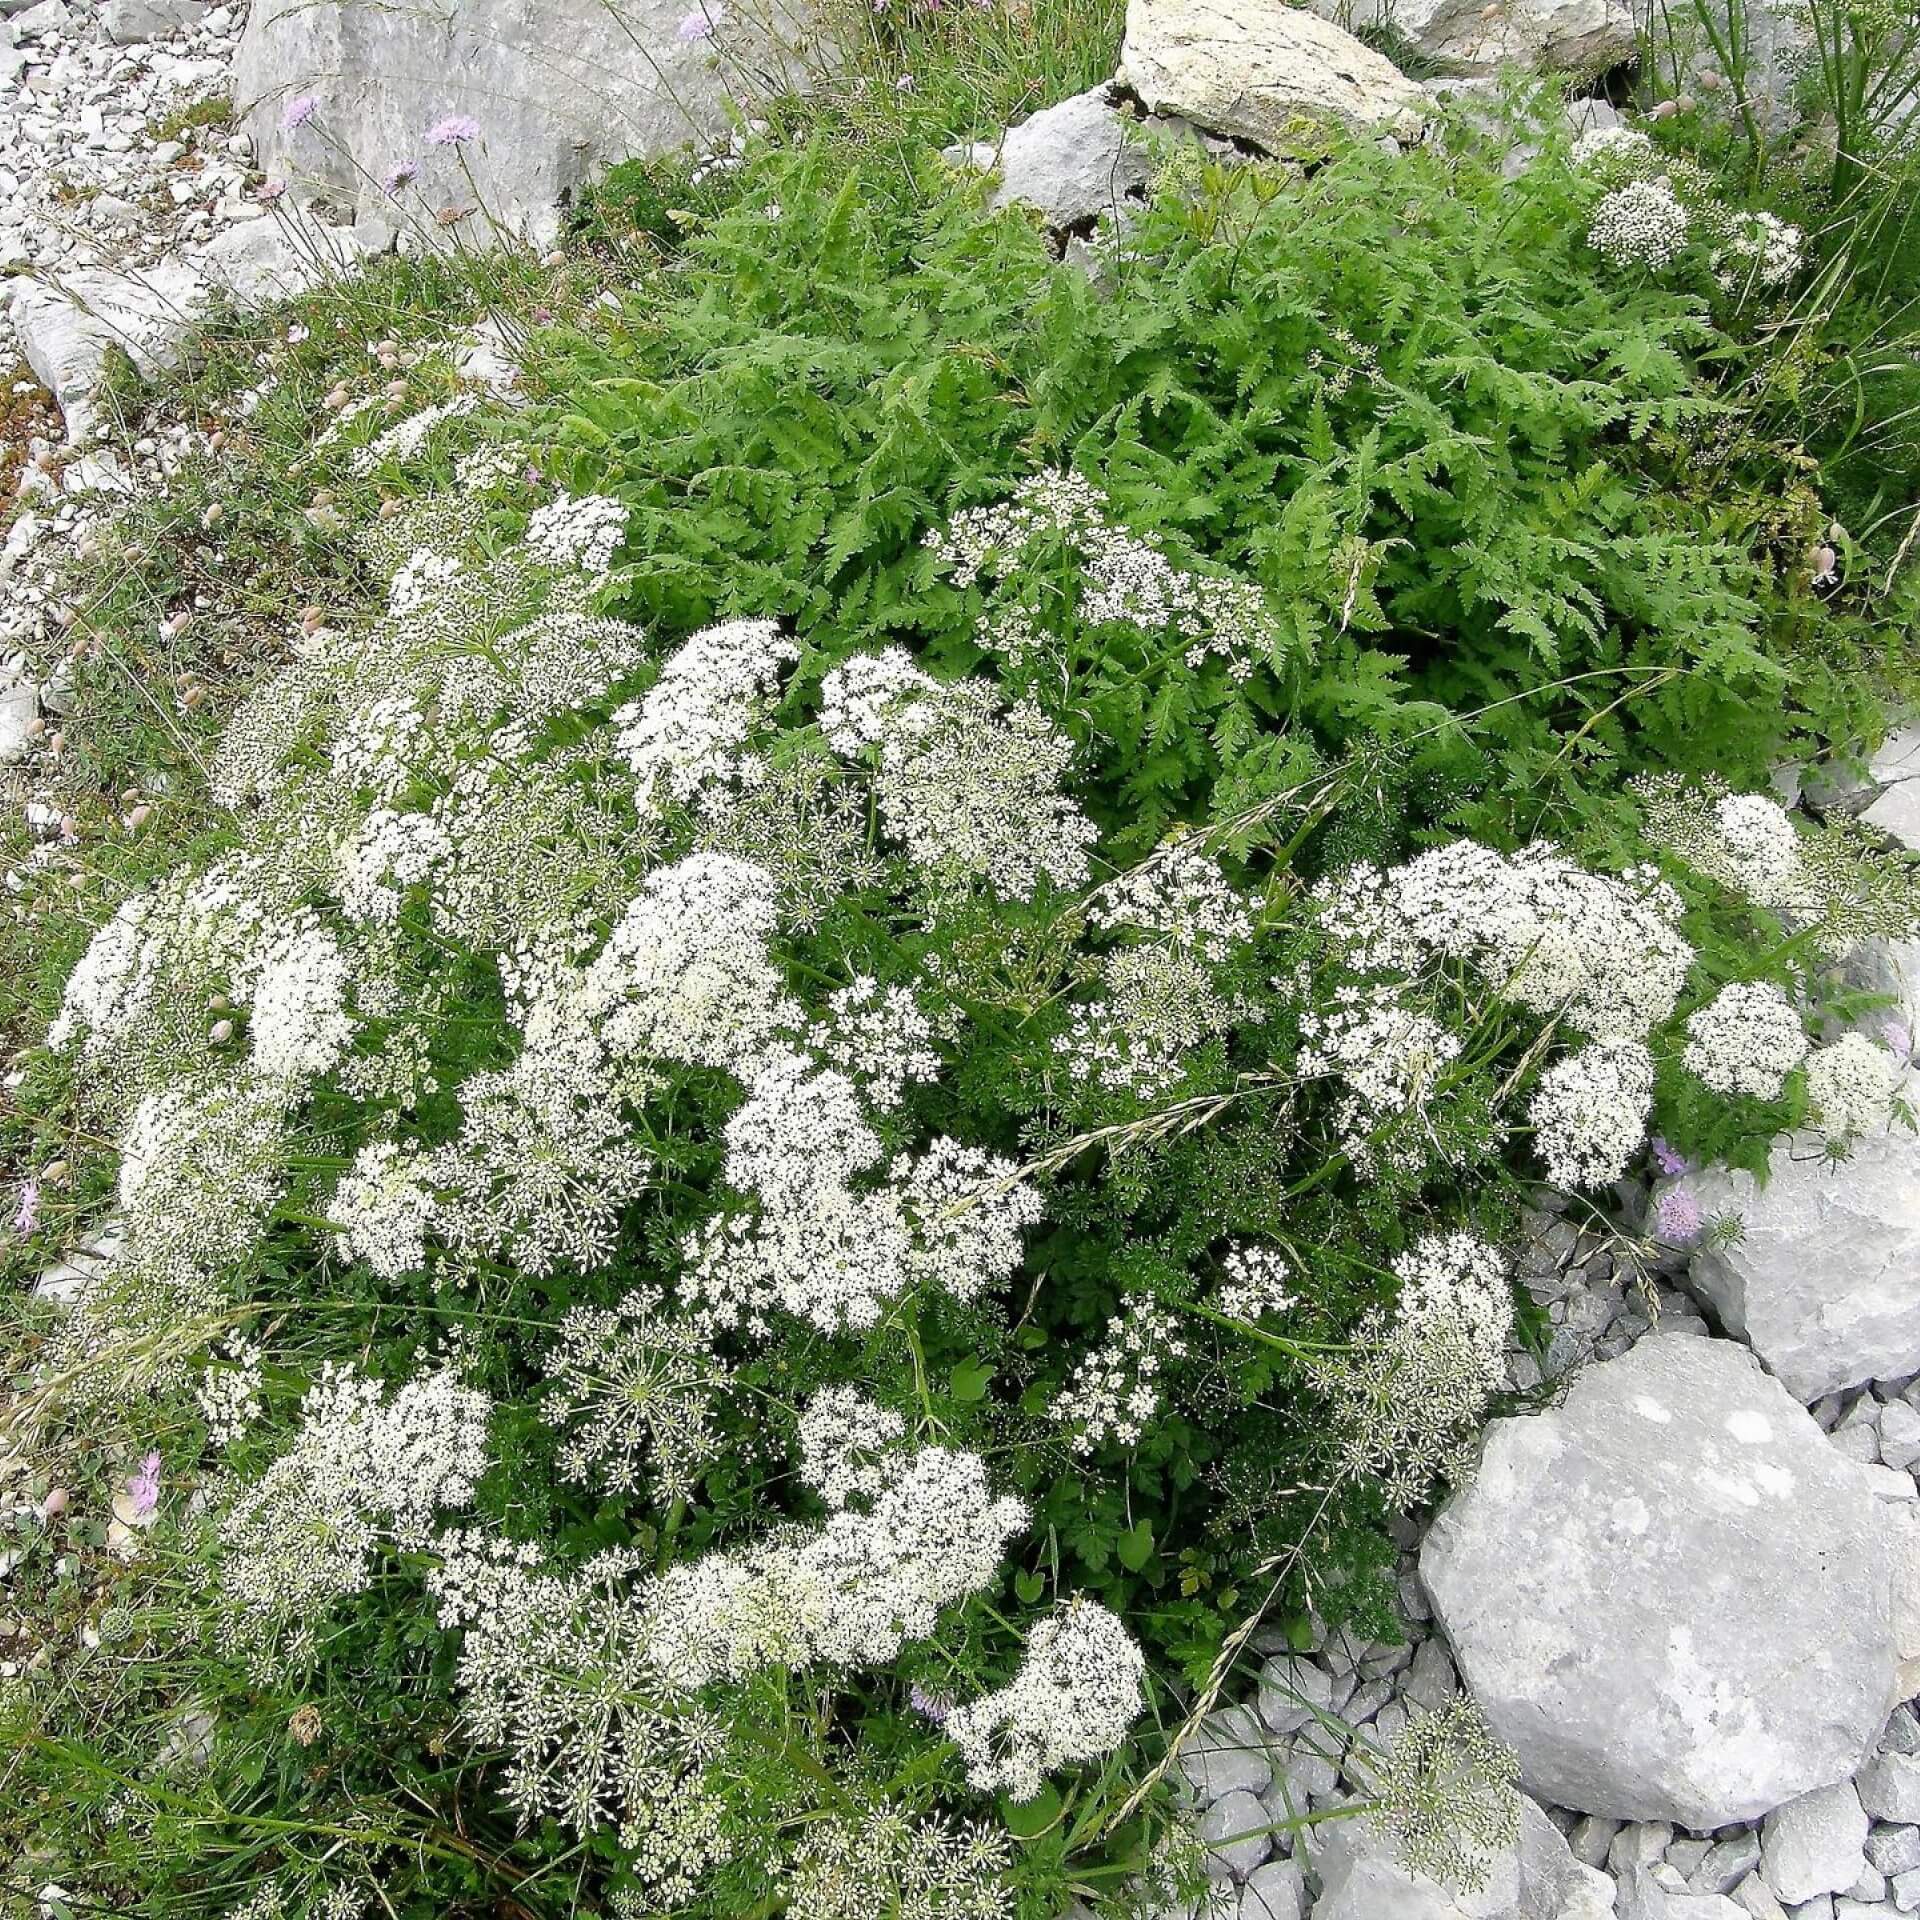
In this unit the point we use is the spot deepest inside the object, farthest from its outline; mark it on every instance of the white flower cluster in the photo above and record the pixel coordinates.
(1117, 1389)
(1642, 224)
(972, 793)
(553, 1671)
(1179, 893)
(880, 1037)
(582, 532)
(687, 974)
(1125, 578)
(1258, 1281)
(686, 738)
(1589, 1112)
(228, 1390)
(1655, 203)
(1837, 884)
(821, 1248)
(845, 1438)
(366, 1470)
(852, 1593)
(1411, 1393)
(1453, 1287)
(882, 1862)
(636, 1387)
(1075, 1697)
(1390, 1058)
(389, 855)
(1745, 1040)
(1853, 1087)
(1602, 953)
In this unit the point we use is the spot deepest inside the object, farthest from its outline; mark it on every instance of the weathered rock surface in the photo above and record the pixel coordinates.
(558, 88)
(69, 327)
(128, 22)
(1574, 36)
(1362, 1878)
(1261, 70)
(1670, 1595)
(1816, 1844)
(1072, 162)
(1824, 1282)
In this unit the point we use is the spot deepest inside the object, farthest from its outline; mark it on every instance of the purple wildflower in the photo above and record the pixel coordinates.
(932, 1706)
(268, 191)
(29, 1215)
(299, 111)
(401, 176)
(1667, 1158)
(1899, 1037)
(451, 131)
(143, 1488)
(1678, 1217)
(700, 23)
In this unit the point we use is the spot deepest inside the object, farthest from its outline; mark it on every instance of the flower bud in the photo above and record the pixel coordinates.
(220, 1032)
(55, 1503)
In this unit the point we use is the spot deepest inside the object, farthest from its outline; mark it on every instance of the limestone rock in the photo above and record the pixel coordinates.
(1816, 1844)
(19, 705)
(1575, 36)
(274, 259)
(1074, 161)
(130, 21)
(1259, 69)
(559, 89)
(1362, 1878)
(1234, 1832)
(1822, 1281)
(1224, 1754)
(1670, 1595)
(67, 331)
(1897, 768)
(1276, 1891)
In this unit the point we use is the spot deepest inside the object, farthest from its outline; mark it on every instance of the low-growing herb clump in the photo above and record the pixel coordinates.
(854, 1073)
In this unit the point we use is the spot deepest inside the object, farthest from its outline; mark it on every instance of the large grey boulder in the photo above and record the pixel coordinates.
(1896, 768)
(1572, 36)
(1824, 1281)
(1670, 1595)
(1263, 70)
(1072, 162)
(1363, 1878)
(558, 90)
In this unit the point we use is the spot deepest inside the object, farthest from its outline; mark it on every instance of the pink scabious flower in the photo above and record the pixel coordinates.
(931, 1706)
(1899, 1038)
(1677, 1219)
(298, 112)
(143, 1488)
(1667, 1158)
(400, 176)
(701, 23)
(268, 191)
(28, 1216)
(454, 129)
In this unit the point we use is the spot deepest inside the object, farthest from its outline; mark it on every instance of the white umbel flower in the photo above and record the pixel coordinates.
(1852, 1086)
(1589, 1112)
(1745, 1040)
(1074, 1698)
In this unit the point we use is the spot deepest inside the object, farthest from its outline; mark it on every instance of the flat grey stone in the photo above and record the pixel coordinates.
(1257, 69)
(1820, 1284)
(1816, 1844)
(1727, 1863)
(129, 21)
(1363, 1878)
(1889, 1787)
(1669, 1595)
(1072, 162)
(1276, 1891)
(1224, 1754)
(1894, 1850)
(558, 90)
(1293, 1691)
(1232, 1831)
